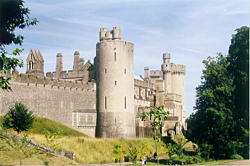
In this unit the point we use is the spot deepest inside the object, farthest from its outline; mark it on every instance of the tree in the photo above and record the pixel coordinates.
(133, 155)
(118, 151)
(213, 122)
(155, 117)
(239, 71)
(13, 15)
(170, 151)
(18, 118)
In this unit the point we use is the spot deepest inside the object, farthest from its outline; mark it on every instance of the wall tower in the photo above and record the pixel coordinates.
(166, 69)
(35, 63)
(114, 64)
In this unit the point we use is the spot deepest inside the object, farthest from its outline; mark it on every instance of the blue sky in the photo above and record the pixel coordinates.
(190, 30)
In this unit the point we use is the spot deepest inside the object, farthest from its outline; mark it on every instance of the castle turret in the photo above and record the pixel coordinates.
(59, 64)
(115, 86)
(178, 85)
(116, 33)
(35, 63)
(166, 69)
(146, 69)
(102, 34)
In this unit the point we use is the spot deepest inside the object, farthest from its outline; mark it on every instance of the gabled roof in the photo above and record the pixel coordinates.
(87, 65)
(37, 55)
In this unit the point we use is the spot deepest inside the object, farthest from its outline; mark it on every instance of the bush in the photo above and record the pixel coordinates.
(236, 156)
(18, 118)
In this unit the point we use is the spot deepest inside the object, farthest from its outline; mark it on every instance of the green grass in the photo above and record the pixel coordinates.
(189, 145)
(87, 150)
(8, 156)
(218, 162)
(53, 126)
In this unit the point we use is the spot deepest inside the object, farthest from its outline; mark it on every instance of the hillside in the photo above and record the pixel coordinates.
(87, 150)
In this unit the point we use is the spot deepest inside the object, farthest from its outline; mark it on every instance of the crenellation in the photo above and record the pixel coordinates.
(40, 80)
(32, 79)
(48, 74)
(15, 76)
(67, 84)
(61, 83)
(55, 82)
(73, 84)
(24, 78)
(48, 81)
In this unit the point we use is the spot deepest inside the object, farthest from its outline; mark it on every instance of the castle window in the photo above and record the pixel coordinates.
(105, 70)
(115, 56)
(125, 102)
(105, 102)
(124, 71)
(115, 83)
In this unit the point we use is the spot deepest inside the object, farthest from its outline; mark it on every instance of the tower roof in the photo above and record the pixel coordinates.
(37, 55)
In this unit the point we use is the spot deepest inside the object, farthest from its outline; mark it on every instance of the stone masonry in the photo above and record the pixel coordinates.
(103, 99)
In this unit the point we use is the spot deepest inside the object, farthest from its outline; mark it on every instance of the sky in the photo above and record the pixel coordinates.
(190, 30)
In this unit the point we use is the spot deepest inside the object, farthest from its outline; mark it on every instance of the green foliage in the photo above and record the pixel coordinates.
(155, 117)
(204, 151)
(20, 145)
(222, 117)
(236, 156)
(50, 139)
(118, 151)
(13, 15)
(180, 146)
(212, 123)
(239, 71)
(18, 118)
(144, 151)
(133, 155)
(170, 151)
(46, 163)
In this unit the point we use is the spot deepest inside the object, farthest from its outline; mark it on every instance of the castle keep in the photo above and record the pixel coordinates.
(103, 99)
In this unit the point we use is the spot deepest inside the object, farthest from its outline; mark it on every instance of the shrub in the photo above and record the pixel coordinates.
(236, 156)
(133, 155)
(18, 118)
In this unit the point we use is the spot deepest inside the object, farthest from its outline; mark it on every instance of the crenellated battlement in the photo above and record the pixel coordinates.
(47, 81)
(178, 68)
(143, 84)
(114, 34)
(156, 74)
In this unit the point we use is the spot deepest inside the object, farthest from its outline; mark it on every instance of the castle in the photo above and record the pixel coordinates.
(103, 99)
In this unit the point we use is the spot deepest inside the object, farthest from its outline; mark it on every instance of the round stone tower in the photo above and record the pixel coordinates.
(114, 64)
(167, 72)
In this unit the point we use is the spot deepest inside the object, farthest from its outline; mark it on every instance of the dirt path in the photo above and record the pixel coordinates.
(241, 162)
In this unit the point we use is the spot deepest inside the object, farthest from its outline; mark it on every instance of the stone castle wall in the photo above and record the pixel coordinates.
(51, 98)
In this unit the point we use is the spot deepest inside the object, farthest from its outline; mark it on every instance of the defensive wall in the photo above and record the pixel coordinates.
(51, 98)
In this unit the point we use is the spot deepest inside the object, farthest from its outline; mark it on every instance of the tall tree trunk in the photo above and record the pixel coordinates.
(156, 149)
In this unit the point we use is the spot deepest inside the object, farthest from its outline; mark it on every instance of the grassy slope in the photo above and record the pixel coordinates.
(53, 126)
(8, 156)
(87, 150)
